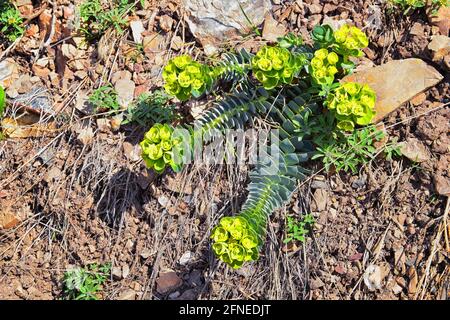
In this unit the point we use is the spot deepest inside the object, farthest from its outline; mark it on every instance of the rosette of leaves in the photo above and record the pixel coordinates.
(350, 40)
(185, 78)
(353, 104)
(236, 240)
(323, 66)
(159, 148)
(274, 65)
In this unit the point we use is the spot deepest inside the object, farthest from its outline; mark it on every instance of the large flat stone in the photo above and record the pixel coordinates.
(396, 82)
(215, 21)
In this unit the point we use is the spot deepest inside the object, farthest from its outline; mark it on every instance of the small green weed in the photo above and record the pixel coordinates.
(348, 151)
(151, 108)
(298, 229)
(104, 98)
(95, 19)
(85, 283)
(392, 149)
(10, 21)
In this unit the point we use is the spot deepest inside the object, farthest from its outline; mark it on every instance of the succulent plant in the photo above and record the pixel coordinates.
(237, 240)
(353, 104)
(185, 78)
(323, 66)
(158, 148)
(350, 40)
(274, 65)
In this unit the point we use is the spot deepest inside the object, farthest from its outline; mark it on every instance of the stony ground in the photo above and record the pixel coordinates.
(73, 190)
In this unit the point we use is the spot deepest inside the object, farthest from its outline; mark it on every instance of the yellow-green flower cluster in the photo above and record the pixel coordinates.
(235, 241)
(275, 65)
(323, 66)
(185, 78)
(157, 147)
(353, 103)
(350, 40)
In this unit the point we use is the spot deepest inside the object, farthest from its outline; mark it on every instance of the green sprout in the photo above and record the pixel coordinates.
(104, 98)
(298, 229)
(276, 65)
(185, 78)
(85, 283)
(10, 21)
(352, 103)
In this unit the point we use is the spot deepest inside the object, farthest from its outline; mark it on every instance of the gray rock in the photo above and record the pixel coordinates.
(214, 21)
(414, 150)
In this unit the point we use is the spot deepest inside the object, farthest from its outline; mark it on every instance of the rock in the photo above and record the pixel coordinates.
(166, 23)
(125, 271)
(396, 289)
(125, 92)
(413, 280)
(132, 152)
(152, 44)
(190, 294)
(396, 82)
(272, 29)
(414, 150)
(85, 134)
(419, 99)
(163, 201)
(8, 219)
(313, 21)
(174, 295)
(442, 184)
(137, 28)
(195, 278)
(116, 272)
(316, 284)
(212, 22)
(417, 29)
(177, 43)
(315, 8)
(116, 121)
(441, 19)
(9, 72)
(103, 125)
(186, 258)
(373, 276)
(168, 282)
(52, 175)
(439, 47)
(320, 199)
(335, 24)
(127, 295)
(146, 253)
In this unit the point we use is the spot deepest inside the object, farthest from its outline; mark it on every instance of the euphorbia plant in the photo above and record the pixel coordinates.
(186, 78)
(294, 86)
(159, 147)
(275, 65)
(352, 103)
